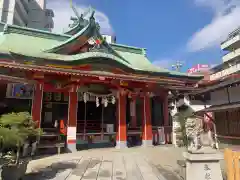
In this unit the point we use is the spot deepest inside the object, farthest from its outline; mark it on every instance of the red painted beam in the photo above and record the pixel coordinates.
(51, 88)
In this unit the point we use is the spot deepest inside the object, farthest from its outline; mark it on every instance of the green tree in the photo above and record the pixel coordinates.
(15, 128)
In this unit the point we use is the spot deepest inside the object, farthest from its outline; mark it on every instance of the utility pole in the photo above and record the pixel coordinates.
(177, 66)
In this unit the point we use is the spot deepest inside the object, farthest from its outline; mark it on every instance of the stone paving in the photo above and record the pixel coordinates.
(156, 163)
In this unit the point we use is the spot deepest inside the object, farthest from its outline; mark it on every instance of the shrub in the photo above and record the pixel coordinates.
(15, 128)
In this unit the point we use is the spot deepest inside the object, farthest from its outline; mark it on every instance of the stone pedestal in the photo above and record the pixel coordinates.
(203, 166)
(147, 143)
(71, 147)
(121, 145)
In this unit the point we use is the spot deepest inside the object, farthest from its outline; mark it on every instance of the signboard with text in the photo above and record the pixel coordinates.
(225, 72)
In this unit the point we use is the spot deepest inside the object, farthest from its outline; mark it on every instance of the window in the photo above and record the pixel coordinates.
(49, 13)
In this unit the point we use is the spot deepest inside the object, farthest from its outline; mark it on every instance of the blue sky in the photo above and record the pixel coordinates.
(185, 30)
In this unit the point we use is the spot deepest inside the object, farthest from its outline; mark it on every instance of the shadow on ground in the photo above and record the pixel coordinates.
(50, 171)
(170, 174)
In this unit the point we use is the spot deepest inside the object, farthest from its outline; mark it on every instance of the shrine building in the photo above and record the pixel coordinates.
(105, 92)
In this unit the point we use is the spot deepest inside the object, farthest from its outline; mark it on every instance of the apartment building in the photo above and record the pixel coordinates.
(28, 13)
(223, 87)
(231, 58)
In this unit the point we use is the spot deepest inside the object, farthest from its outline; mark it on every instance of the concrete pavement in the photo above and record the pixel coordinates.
(137, 163)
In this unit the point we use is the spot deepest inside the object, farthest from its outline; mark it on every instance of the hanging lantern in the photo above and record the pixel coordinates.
(113, 100)
(97, 102)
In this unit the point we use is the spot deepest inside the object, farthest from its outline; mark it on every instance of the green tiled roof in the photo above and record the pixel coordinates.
(140, 62)
(28, 40)
(25, 44)
(43, 45)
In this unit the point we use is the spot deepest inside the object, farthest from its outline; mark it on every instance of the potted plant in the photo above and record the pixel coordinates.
(15, 129)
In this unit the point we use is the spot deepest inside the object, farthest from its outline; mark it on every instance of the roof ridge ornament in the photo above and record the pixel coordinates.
(78, 18)
(90, 11)
(76, 12)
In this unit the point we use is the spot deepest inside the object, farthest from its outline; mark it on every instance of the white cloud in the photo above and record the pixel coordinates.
(225, 19)
(63, 13)
(164, 63)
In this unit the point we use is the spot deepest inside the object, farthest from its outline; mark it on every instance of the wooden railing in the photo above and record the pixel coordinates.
(90, 126)
(232, 164)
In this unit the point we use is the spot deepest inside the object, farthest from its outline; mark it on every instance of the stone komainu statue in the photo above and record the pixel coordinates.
(193, 127)
(197, 137)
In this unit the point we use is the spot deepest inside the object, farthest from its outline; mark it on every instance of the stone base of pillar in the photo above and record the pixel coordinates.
(121, 144)
(71, 146)
(147, 143)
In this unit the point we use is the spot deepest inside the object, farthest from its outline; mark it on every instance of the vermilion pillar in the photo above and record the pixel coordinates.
(121, 140)
(165, 109)
(133, 112)
(37, 103)
(166, 117)
(72, 119)
(147, 122)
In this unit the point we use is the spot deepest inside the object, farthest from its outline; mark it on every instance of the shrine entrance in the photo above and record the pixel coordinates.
(54, 107)
(96, 117)
(93, 119)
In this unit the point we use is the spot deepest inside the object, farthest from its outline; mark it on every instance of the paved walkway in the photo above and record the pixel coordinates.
(155, 163)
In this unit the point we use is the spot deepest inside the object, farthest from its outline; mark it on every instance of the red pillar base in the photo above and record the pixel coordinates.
(147, 143)
(121, 145)
(147, 138)
(121, 140)
(71, 139)
(72, 120)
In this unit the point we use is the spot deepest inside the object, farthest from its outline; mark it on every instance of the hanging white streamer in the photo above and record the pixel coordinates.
(97, 102)
(85, 97)
(104, 98)
(105, 102)
(113, 100)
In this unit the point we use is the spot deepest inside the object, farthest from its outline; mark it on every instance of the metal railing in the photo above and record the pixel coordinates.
(232, 35)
